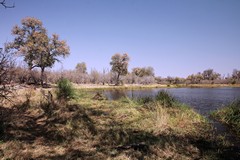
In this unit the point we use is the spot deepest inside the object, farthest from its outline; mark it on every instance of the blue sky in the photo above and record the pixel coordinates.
(175, 37)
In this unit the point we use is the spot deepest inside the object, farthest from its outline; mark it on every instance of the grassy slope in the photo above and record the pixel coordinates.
(230, 115)
(101, 129)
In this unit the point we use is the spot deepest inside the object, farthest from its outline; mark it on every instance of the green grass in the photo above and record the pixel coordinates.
(230, 115)
(165, 99)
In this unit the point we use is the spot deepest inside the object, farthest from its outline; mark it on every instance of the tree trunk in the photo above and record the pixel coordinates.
(42, 76)
(118, 76)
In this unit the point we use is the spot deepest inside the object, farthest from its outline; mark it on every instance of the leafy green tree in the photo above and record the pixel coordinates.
(119, 65)
(32, 42)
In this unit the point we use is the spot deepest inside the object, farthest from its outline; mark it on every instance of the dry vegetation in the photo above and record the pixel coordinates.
(96, 128)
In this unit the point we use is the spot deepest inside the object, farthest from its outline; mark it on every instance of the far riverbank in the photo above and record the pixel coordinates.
(139, 86)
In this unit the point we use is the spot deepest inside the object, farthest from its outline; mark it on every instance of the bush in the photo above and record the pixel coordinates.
(165, 99)
(65, 90)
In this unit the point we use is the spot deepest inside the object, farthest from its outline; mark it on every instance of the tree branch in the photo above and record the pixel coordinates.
(3, 3)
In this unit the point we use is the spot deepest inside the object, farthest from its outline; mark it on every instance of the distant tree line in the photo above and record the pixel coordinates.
(20, 74)
(39, 51)
(107, 76)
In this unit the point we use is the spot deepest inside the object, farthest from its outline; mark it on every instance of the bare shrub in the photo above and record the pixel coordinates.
(7, 64)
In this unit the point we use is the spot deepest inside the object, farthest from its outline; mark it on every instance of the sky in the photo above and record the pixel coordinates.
(175, 37)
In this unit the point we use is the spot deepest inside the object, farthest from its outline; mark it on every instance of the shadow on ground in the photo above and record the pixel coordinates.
(78, 132)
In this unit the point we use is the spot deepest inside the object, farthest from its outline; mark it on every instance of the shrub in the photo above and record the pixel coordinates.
(165, 99)
(65, 90)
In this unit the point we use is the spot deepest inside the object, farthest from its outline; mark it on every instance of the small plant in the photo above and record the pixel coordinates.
(65, 90)
(165, 99)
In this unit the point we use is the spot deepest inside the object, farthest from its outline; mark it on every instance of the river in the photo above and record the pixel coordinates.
(203, 100)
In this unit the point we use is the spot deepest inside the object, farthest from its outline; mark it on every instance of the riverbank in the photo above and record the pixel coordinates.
(138, 86)
(230, 115)
(91, 127)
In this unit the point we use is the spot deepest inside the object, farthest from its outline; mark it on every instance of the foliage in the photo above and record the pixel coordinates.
(32, 42)
(230, 115)
(195, 78)
(81, 68)
(145, 71)
(119, 65)
(65, 90)
(209, 74)
(165, 99)
(236, 74)
(170, 79)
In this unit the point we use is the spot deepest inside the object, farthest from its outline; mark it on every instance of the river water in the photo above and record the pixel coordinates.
(203, 100)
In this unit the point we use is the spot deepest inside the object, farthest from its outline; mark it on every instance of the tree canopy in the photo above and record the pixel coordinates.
(145, 71)
(32, 42)
(209, 74)
(81, 68)
(236, 74)
(119, 63)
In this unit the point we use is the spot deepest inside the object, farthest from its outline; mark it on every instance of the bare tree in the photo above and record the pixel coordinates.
(6, 74)
(94, 76)
(3, 3)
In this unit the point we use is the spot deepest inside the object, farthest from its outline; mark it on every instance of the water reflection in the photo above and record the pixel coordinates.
(115, 94)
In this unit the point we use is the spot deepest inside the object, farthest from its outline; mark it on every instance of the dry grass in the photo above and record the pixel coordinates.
(85, 128)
